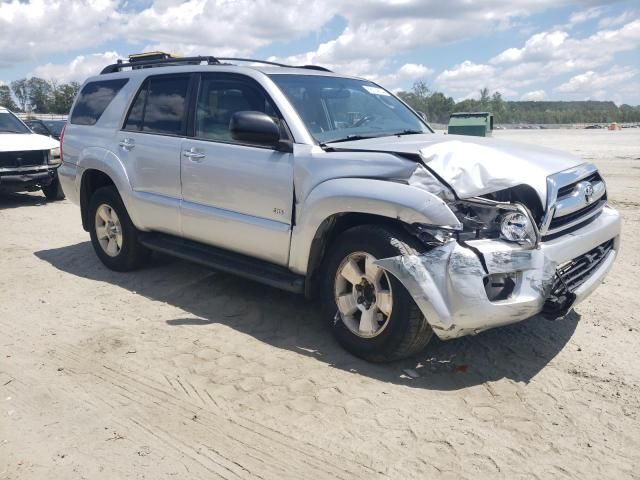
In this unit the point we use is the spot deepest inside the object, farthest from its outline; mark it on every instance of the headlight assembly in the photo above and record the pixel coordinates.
(483, 218)
(54, 156)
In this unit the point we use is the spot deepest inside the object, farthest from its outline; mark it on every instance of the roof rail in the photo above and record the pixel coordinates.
(176, 61)
(310, 67)
(117, 67)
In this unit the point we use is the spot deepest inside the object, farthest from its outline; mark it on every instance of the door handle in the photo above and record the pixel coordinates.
(127, 143)
(193, 155)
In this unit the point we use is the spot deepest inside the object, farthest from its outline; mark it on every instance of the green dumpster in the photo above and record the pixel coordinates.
(479, 124)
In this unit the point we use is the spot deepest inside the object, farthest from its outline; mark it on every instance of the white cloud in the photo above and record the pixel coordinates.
(466, 76)
(585, 15)
(78, 69)
(624, 17)
(33, 30)
(404, 77)
(592, 82)
(534, 95)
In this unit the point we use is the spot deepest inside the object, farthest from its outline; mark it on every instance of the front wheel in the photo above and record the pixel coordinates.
(113, 235)
(372, 314)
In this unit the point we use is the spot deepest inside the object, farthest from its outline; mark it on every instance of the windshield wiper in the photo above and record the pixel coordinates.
(4, 130)
(406, 132)
(348, 138)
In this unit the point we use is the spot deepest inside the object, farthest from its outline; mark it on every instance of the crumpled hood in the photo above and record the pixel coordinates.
(475, 166)
(22, 142)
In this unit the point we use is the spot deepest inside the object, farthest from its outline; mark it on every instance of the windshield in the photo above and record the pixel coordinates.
(339, 109)
(9, 123)
(55, 126)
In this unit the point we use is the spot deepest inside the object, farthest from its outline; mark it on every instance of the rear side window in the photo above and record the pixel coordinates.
(93, 100)
(160, 106)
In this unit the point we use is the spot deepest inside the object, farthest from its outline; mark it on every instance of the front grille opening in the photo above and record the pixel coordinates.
(564, 220)
(570, 275)
(22, 159)
(568, 189)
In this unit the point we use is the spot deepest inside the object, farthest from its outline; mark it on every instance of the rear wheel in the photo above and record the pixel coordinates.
(372, 314)
(113, 235)
(53, 191)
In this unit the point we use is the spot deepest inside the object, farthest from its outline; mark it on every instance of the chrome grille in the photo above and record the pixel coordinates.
(572, 274)
(23, 159)
(575, 197)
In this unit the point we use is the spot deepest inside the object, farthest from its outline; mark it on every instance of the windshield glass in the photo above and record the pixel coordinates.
(9, 123)
(55, 126)
(339, 109)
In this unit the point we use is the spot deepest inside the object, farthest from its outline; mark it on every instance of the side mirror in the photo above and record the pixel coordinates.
(255, 127)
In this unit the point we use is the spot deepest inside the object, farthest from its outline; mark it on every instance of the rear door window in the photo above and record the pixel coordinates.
(160, 106)
(94, 99)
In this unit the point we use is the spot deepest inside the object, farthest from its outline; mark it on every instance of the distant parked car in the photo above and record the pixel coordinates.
(49, 128)
(28, 161)
(592, 127)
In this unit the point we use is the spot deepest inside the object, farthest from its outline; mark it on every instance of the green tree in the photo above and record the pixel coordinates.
(40, 94)
(63, 96)
(6, 100)
(21, 92)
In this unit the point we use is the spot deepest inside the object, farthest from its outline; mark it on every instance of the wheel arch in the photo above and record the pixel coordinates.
(92, 180)
(337, 205)
(331, 229)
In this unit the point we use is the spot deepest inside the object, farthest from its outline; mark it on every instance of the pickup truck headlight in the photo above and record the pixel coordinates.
(482, 218)
(54, 156)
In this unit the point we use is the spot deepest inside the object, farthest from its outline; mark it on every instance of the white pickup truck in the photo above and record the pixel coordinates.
(28, 161)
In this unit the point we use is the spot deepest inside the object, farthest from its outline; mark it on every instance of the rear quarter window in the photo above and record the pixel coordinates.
(93, 100)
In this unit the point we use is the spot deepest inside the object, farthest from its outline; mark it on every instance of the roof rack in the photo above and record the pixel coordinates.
(161, 62)
(166, 60)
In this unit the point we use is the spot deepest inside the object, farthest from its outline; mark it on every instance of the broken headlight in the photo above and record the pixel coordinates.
(483, 218)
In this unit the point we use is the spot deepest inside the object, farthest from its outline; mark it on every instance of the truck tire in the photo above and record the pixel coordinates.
(113, 235)
(371, 314)
(53, 191)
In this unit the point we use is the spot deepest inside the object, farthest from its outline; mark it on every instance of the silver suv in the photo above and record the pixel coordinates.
(331, 186)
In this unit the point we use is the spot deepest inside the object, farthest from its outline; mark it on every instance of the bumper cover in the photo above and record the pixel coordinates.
(447, 282)
(20, 181)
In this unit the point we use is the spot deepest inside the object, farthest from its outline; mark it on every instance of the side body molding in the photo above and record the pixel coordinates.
(390, 199)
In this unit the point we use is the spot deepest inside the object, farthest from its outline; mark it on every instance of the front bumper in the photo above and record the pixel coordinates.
(447, 282)
(21, 180)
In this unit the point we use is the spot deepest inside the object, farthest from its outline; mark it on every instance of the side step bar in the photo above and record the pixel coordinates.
(225, 261)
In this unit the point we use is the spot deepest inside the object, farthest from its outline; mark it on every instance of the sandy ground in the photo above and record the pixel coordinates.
(177, 371)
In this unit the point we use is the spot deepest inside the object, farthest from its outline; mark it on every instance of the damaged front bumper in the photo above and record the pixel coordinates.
(449, 282)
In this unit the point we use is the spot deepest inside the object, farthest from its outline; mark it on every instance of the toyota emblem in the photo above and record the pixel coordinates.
(588, 192)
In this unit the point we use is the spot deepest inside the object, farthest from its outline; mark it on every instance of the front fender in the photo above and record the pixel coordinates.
(384, 198)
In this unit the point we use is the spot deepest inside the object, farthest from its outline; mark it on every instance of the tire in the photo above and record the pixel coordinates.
(402, 330)
(53, 191)
(128, 254)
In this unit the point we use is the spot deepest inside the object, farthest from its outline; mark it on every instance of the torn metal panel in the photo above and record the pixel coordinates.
(474, 166)
(448, 286)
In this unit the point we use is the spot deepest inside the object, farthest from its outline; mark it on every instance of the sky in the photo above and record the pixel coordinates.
(525, 49)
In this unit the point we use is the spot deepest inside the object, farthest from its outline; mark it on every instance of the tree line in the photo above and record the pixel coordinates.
(48, 96)
(438, 107)
(38, 95)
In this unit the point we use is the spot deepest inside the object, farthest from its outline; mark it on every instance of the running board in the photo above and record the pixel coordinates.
(225, 261)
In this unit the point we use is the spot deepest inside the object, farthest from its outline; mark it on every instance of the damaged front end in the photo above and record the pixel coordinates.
(496, 270)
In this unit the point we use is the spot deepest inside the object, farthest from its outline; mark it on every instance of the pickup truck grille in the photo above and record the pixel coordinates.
(572, 274)
(23, 159)
(573, 203)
